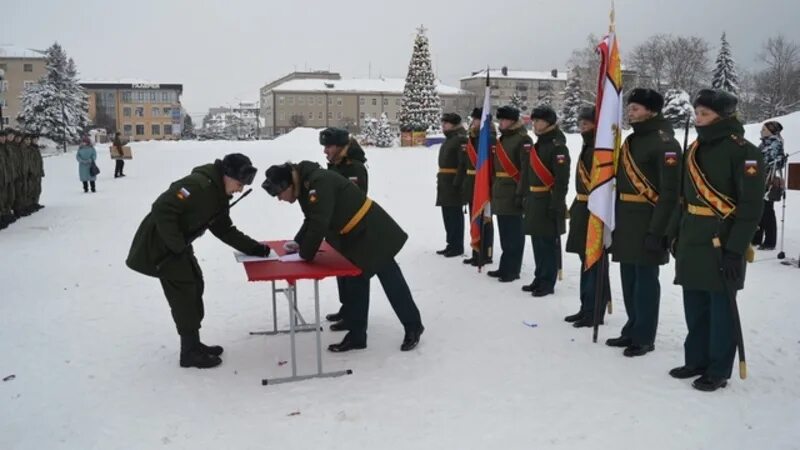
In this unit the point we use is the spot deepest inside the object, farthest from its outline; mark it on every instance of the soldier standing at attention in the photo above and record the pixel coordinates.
(648, 179)
(509, 156)
(545, 183)
(345, 157)
(6, 183)
(448, 185)
(722, 192)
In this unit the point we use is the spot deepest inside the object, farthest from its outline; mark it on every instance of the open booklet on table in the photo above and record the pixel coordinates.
(291, 257)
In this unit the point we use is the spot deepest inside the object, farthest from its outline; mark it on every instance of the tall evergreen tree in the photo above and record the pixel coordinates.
(188, 127)
(678, 107)
(421, 107)
(518, 102)
(56, 106)
(725, 76)
(572, 103)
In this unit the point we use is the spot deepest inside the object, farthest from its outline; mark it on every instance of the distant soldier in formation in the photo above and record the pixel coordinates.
(545, 181)
(648, 178)
(21, 173)
(448, 186)
(7, 166)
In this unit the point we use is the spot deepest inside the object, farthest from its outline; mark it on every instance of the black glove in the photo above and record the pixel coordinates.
(654, 244)
(732, 264)
(262, 250)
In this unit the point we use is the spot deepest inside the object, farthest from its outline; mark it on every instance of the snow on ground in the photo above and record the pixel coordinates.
(95, 354)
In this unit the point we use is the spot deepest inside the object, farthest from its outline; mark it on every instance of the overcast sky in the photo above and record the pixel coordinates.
(223, 51)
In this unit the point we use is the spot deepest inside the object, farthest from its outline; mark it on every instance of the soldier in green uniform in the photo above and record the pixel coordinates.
(6, 183)
(345, 157)
(162, 246)
(364, 234)
(26, 150)
(37, 163)
(648, 179)
(466, 179)
(448, 187)
(20, 169)
(721, 193)
(578, 227)
(509, 156)
(545, 181)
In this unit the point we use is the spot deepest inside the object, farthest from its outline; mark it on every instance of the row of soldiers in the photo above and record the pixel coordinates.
(21, 173)
(703, 207)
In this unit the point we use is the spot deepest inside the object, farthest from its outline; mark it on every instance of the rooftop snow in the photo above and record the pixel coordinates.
(10, 51)
(125, 81)
(519, 74)
(364, 85)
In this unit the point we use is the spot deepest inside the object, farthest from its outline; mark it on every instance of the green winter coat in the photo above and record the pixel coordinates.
(14, 160)
(506, 193)
(4, 165)
(178, 216)
(350, 164)
(545, 212)
(657, 155)
(448, 185)
(579, 211)
(329, 202)
(734, 167)
(466, 170)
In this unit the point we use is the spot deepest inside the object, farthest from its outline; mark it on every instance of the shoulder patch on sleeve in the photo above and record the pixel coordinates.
(670, 158)
(312, 196)
(183, 193)
(561, 158)
(751, 167)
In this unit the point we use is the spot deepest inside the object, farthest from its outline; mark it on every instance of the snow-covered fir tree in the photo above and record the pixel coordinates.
(518, 102)
(572, 103)
(56, 106)
(545, 95)
(384, 137)
(724, 76)
(421, 107)
(188, 127)
(678, 107)
(369, 131)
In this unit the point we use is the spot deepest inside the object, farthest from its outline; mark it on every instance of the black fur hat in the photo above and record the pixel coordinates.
(334, 136)
(648, 98)
(239, 167)
(546, 113)
(453, 118)
(721, 102)
(477, 113)
(279, 177)
(508, 112)
(586, 113)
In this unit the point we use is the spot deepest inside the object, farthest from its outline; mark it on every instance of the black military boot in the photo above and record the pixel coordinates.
(638, 350)
(531, 287)
(451, 253)
(411, 339)
(573, 318)
(684, 372)
(472, 260)
(192, 354)
(508, 278)
(213, 350)
(621, 341)
(709, 383)
(443, 251)
(495, 273)
(340, 326)
(335, 317)
(350, 342)
(542, 291)
(586, 321)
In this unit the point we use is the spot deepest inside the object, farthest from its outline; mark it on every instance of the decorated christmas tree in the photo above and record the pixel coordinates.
(421, 107)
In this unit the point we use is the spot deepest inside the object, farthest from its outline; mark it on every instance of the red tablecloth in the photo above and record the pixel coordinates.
(327, 263)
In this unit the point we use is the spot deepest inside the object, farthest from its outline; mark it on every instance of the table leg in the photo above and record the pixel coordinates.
(317, 325)
(274, 309)
(290, 295)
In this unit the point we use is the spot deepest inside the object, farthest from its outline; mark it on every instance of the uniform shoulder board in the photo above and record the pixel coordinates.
(739, 140)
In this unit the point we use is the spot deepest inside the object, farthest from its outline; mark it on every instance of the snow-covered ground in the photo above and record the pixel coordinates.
(95, 355)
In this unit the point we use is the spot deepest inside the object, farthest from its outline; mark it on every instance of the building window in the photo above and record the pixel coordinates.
(330, 115)
(27, 67)
(339, 101)
(444, 103)
(374, 102)
(140, 130)
(310, 116)
(167, 130)
(153, 97)
(280, 100)
(330, 100)
(398, 102)
(290, 100)
(361, 101)
(310, 101)
(363, 116)
(385, 102)
(140, 111)
(282, 116)
(127, 130)
(26, 84)
(397, 115)
(167, 111)
(319, 116)
(3, 86)
(320, 101)
(165, 97)
(156, 111)
(126, 112)
(126, 96)
(339, 115)
(155, 130)
(301, 101)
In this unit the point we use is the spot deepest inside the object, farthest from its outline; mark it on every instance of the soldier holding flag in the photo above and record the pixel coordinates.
(468, 160)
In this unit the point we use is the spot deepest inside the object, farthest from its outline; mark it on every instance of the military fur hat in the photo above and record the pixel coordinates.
(453, 118)
(239, 167)
(648, 98)
(477, 113)
(334, 136)
(279, 177)
(586, 113)
(546, 113)
(508, 112)
(721, 102)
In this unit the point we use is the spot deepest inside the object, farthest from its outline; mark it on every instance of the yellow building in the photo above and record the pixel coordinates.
(141, 110)
(19, 67)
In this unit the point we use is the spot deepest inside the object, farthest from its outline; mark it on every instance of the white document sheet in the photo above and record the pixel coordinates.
(242, 258)
(292, 257)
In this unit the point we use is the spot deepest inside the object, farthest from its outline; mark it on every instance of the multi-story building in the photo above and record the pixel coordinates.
(241, 121)
(533, 88)
(331, 101)
(141, 110)
(19, 67)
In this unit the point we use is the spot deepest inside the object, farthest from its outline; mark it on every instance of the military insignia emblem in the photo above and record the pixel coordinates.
(561, 159)
(353, 179)
(751, 167)
(312, 196)
(183, 193)
(670, 158)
